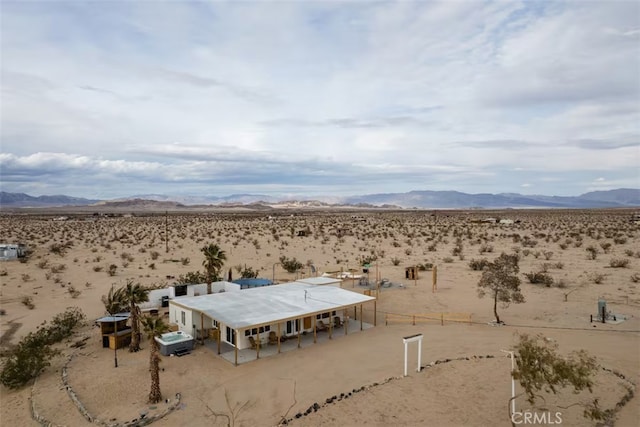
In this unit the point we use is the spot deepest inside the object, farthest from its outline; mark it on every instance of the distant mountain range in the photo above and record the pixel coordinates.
(623, 197)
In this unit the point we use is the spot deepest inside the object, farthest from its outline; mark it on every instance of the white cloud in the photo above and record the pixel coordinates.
(319, 97)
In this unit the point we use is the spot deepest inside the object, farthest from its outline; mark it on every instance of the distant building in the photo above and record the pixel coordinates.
(9, 251)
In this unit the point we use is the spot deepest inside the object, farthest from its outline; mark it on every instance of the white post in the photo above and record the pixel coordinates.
(406, 341)
(405, 358)
(513, 381)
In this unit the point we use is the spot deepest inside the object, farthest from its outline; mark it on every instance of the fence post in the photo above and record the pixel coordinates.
(414, 320)
(386, 320)
(441, 319)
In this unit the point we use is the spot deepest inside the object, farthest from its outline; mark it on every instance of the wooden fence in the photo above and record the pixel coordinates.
(441, 318)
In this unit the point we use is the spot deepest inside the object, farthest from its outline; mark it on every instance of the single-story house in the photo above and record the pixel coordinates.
(285, 310)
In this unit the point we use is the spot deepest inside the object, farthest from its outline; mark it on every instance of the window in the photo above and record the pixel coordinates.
(215, 323)
(180, 290)
(183, 317)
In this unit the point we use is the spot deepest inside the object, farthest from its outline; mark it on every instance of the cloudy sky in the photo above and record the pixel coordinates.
(112, 99)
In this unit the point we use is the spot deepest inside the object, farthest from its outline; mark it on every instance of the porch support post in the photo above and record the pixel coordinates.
(315, 328)
(236, 346)
(220, 325)
(278, 337)
(258, 344)
(375, 312)
(360, 316)
(299, 325)
(202, 326)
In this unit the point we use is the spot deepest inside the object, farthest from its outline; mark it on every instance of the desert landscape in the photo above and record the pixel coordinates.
(569, 260)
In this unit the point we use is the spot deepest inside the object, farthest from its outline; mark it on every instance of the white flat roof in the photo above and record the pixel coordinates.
(271, 304)
(320, 280)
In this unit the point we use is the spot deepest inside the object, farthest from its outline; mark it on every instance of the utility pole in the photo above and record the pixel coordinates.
(166, 231)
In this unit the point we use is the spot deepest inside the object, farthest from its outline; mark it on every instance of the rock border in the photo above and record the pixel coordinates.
(143, 421)
(630, 386)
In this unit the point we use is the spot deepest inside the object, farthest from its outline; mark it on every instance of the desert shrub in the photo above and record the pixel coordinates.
(539, 278)
(597, 278)
(432, 247)
(3, 272)
(628, 252)
(592, 252)
(26, 277)
(112, 270)
(620, 240)
(57, 248)
(58, 268)
(97, 268)
(563, 246)
(559, 265)
(192, 277)
(447, 260)
(547, 255)
(606, 247)
(185, 261)
(154, 255)
(562, 284)
(152, 266)
(619, 263)
(485, 248)
(478, 264)
(395, 261)
(73, 292)
(33, 353)
(45, 263)
(248, 273)
(291, 265)
(526, 252)
(425, 267)
(635, 277)
(28, 302)
(407, 251)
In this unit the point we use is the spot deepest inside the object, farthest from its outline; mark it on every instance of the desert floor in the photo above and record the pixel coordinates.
(70, 266)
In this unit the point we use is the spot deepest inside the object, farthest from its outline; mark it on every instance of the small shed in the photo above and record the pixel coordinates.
(114, 331)
(411, 273)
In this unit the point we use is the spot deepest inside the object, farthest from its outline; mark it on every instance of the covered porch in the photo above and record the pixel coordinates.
(261, 322)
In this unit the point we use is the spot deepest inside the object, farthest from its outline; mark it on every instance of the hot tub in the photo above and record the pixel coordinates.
(175, 342)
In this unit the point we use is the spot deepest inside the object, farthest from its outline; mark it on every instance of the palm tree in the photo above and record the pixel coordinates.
(214, 259)
(135, 294)
(154, 327)
(115, 303)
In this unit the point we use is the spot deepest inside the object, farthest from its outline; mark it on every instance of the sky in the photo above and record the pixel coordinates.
(109, 99)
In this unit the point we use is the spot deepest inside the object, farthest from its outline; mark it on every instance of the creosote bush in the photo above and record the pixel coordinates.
(539, 278)
(33, 353)
(291, 265)
(619, 263)
(478, 264)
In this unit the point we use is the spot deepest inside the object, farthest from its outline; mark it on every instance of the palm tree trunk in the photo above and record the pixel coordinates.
(134, 346)
(155, 395)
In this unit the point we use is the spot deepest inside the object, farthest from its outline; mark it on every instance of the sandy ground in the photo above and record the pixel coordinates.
(473, 392)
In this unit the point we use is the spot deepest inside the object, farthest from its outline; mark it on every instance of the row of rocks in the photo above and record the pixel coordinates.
(142, 421)
(337, 398)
